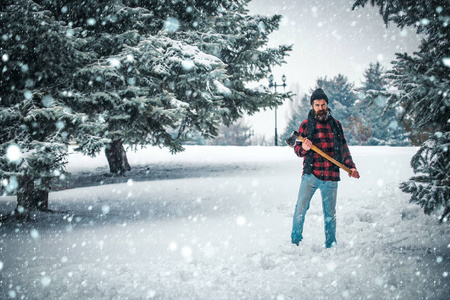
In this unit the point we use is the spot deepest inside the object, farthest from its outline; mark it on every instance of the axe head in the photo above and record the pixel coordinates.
(291, 140)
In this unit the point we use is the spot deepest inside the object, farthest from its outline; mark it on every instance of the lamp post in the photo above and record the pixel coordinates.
(274, 85)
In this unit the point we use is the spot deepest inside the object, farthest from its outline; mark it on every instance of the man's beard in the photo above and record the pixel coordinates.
(322, 115)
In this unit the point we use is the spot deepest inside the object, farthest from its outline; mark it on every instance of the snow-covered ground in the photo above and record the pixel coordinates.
(215, 223)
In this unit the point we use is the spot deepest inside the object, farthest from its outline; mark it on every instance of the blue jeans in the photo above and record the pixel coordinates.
(328, 190)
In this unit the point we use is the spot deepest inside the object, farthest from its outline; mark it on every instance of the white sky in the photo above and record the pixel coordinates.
(328, 38)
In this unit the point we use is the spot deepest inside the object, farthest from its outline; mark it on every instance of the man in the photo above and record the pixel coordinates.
(326, 133)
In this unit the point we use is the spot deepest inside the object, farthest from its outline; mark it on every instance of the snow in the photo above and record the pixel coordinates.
(215, 222)
(114, 62)
(47, 101)
(171, 25)
(446, 61)
(222, 89)
(13, 153)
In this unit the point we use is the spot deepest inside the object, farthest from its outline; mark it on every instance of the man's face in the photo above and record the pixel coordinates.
(320, 107)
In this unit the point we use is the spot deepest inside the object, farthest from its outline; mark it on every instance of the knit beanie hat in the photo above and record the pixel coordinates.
(318, 94)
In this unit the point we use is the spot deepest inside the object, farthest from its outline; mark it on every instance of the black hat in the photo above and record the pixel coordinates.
(318, 94)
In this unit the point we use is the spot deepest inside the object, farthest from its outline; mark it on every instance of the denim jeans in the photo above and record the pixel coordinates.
(328, 190)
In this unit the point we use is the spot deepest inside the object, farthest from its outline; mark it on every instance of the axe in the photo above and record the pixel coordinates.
(295, 136)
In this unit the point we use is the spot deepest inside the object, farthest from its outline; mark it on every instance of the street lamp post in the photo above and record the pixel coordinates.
(274, 85)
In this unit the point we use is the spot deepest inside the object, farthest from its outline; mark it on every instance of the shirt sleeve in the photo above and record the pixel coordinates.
(299, 151)
(347, 157)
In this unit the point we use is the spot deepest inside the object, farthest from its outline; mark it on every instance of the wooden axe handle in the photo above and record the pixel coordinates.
(320, 152)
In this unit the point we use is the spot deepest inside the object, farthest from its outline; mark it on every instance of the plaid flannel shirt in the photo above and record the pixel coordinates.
(323, 139)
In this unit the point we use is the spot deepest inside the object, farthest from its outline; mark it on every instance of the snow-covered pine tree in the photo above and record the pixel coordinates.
(94, 72)
(342, 98)
(35, 125)
(238, 133)
(384, 125)
(423, 85)
(430, 187)
(299, 109)
(240, 41)
(338, 89)
(143, 94)
(342, 103)
(374, 78)
(167, 66)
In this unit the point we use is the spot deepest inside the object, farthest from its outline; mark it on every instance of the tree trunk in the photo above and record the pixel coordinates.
(29, 197)
(117, 158)
(445, 215)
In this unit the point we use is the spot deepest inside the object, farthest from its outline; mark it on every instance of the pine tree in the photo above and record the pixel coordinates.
(383, 123)
(298, 110)
(338, 89)
(374, 78)
(144, 105)
(341, 100)
(238, 133)
(235, 134)
(166, 67)
(122, 72)
(35, 125)
(422, 94)
(430, 188)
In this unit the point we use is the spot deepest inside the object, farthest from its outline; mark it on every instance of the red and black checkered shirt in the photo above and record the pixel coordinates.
(323, 139)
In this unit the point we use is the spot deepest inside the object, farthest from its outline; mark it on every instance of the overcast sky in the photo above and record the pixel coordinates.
(328, 38)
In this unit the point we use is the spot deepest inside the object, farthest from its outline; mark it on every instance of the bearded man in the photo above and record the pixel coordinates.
(325, 132)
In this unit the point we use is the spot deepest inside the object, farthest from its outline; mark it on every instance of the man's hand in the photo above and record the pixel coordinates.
(306, 145)
(354, 174)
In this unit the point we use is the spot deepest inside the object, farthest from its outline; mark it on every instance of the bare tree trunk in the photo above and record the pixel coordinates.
(117, 158)
(29, 197)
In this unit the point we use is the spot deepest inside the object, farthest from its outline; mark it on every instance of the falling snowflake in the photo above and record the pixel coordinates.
(173, 246)
(27, 95)
(91, 22)
(114, 62)
(47, 101)
(171, 25)
(13, 153)
(34, 234)
(446, 61)
(186, 252)
(188, 65)
(105, 209)
(45, 281)
(241, 221)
